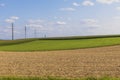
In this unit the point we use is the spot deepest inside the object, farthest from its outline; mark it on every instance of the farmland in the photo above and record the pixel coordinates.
(56, 78)
(58, 44)
(65, 58)
(97, 62)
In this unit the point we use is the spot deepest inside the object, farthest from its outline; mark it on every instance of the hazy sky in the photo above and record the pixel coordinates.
(59, 17)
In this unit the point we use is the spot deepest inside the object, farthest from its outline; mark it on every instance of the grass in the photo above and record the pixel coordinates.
(12, 42)
(52, 78)
(48, 45)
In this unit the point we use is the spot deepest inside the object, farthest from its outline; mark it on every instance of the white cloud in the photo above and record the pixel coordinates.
(6, 30)
(116, 17)
(34, 25)
(108, 1)
(118, 8)
(90, 22)
(40, 25)
(88, 3)
(14, 18)
(38, 21)
(2, 5)
(60, 23)
(76, 4)
(67, 9)
(9, 21)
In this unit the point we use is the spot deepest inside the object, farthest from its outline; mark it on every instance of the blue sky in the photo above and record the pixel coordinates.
(56, 18)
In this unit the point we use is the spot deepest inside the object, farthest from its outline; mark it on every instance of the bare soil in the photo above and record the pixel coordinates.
(104, 61)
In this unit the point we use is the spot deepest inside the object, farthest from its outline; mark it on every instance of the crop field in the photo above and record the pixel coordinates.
(96, 62)
(66, 58)
(57, 44)
(56, 78)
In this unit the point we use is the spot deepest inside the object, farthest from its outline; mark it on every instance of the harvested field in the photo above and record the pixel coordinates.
(104, 61)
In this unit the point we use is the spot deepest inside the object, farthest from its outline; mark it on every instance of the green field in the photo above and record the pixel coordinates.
(67, 43)
(12, 42)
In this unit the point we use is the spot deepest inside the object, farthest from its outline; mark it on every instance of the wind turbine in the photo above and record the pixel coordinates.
(12, 31)
(11, 20)
(35, 33)
(25, 32)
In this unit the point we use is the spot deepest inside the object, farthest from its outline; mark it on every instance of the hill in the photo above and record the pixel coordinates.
(64, 43)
